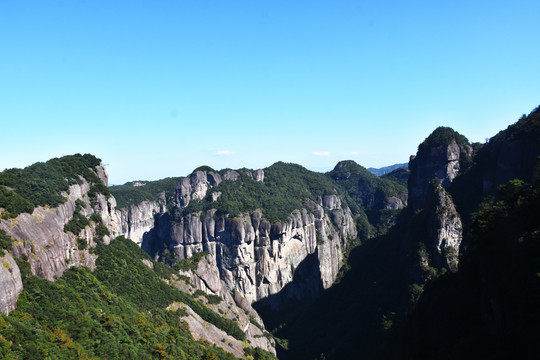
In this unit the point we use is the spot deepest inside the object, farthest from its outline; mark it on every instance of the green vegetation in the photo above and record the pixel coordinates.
(190, 264)
(526, 128)
(42, 184)
(258, 354)
(119, 266)
(117, 312)
(204, 168)
(101, 231)
(479, 182)
(501, 267)
(442, 136)
(130, 194)
(79, 317)
(78, 222)
(24, 266)
(96, 218)
(82, 244)
(367, 189)
(212, 299)
(6, 242)
(369, 193)
(400, 175)
(285, 188)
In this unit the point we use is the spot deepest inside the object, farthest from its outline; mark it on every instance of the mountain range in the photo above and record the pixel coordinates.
(434, 259)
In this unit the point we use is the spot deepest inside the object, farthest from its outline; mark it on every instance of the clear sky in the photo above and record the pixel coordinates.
(158, 88)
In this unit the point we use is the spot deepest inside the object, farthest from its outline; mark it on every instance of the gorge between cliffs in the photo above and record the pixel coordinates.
(278, 262)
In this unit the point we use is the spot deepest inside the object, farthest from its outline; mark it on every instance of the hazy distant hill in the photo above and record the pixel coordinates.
(387, 169)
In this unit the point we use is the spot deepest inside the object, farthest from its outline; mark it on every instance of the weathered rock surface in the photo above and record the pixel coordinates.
(10, 284)
(40, 238)
(257, 258)
(433, 170)
(445, 230)
(440, 162)
(137, 221)
(397, 202)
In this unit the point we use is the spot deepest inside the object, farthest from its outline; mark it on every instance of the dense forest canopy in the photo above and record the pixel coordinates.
(45, 184)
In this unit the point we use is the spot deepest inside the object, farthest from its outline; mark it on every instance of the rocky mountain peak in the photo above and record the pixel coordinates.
(439, 157)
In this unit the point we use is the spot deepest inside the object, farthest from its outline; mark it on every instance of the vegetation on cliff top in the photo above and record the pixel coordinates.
(442, 136)
(135, 192)
(285, 188)
(43, 184)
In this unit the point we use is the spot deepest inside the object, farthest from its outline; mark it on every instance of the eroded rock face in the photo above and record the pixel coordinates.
(193, 187)
(137, 221)
(433, 170)
(40, 238)
(257, 258)
(397, 202)
(10, 284)
(445, 229)
(440, 162)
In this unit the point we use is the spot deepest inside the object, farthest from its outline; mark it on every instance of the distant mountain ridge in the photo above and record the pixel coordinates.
(387, 169)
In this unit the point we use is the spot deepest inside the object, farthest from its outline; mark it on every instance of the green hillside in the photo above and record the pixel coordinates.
(116, 312)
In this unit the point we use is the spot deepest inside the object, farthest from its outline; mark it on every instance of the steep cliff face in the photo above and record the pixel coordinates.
(10, 284)
(136, 222)
(40, 238)
(445, 230)
(442, 162)
(438, 162)
(258, 258)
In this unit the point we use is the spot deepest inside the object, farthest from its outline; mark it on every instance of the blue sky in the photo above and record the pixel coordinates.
(156, 89)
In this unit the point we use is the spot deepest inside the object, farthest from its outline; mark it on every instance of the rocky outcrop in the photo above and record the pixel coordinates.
(194, 187)
(445, 230)
(136, 222)
(40, 238)
(257, 258)
(438, 162)
(397, 202)
(206, 278)
(10, 284)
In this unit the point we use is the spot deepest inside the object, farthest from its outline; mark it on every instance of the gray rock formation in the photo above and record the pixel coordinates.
(433, 170)
(10, 284)
(445, 230)
(440, 162)
(397, 202)
(40, 238)
(257, 258)
(137, 221)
